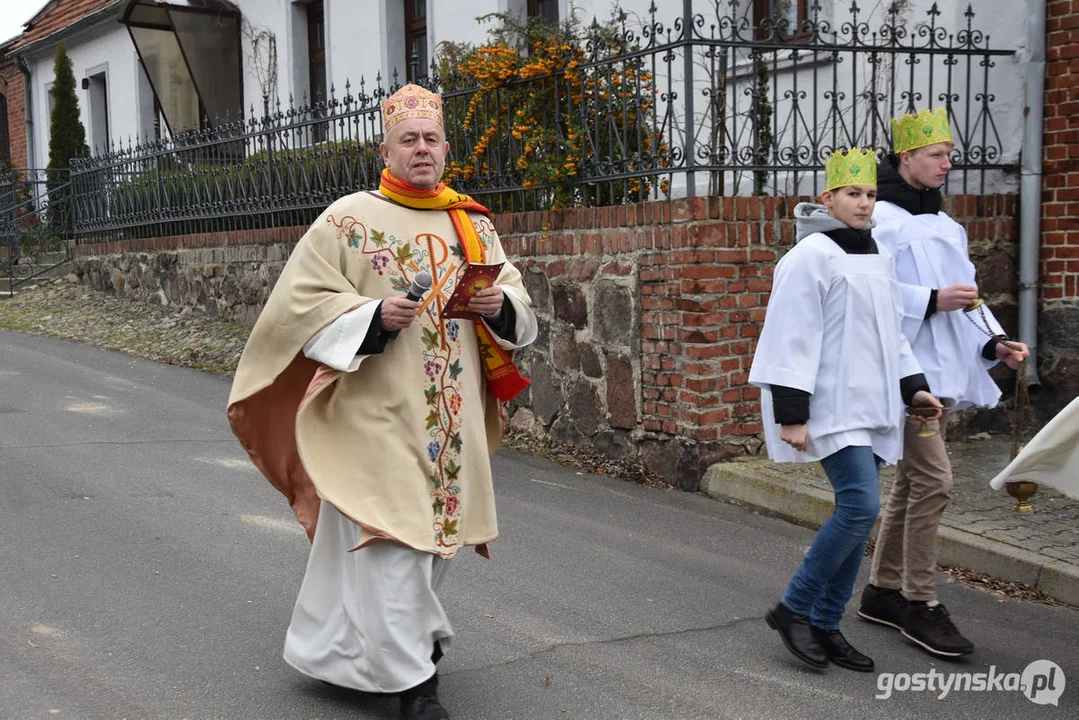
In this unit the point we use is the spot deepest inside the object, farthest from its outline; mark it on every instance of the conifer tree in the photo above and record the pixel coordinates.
(67, 136)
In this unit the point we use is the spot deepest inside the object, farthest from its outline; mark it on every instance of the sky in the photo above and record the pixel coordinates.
(13, 13)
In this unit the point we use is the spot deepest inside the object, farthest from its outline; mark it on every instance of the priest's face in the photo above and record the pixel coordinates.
(926, 167)
(415, 151)
(852, 204)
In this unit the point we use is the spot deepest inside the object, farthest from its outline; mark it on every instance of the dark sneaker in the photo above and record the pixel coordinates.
(884, 606)
(421, 702)
(841, 652)
(933, 629)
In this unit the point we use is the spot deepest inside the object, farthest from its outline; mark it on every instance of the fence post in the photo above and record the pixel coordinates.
(691, 122)
(270, 138)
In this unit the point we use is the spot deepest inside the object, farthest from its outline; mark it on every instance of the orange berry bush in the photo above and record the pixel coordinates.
(565, 114)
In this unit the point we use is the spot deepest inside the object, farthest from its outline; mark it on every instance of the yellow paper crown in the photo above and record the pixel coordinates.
(928, 127)
(411, 101)
(850, 167)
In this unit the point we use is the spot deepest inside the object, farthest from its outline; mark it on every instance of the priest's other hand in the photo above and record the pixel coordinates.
(797, 436)
(923, 398)
(956, 297)
(487, 301)
(1012, 356)
(398, 312)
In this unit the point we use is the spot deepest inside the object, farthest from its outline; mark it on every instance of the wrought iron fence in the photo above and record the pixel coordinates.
(711, 102)
(35, 223)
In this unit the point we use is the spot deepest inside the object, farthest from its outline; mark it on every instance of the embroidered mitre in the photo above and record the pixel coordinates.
(411, 101)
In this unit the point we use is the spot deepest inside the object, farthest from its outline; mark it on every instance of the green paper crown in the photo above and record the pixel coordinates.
(911, 132)
(850, 167)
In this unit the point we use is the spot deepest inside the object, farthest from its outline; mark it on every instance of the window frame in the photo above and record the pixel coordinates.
(414, 26)
(762, 10)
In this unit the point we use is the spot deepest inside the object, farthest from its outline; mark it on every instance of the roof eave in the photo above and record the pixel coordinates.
(86, 22)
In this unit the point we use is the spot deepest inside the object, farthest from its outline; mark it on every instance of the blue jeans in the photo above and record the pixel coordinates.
(824, 583)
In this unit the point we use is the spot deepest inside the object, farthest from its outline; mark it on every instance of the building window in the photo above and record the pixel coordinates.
(416, 58)
(5, 137)
(97, 91)
(546, 11)
(316, 52)
(787, 16)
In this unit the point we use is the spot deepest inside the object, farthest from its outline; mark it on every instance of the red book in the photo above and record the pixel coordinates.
(470, 281)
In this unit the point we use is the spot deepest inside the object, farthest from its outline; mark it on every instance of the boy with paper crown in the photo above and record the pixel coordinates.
(937, 282)
(835, 372)
(375, 414)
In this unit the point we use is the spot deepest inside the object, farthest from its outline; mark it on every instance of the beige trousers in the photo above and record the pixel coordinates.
(905, 557)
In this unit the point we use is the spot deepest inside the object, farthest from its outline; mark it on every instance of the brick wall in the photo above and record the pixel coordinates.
(1059, 317)
(650, 313)
(11, 86)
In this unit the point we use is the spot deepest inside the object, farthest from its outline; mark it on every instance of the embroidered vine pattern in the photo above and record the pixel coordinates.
(401, 260)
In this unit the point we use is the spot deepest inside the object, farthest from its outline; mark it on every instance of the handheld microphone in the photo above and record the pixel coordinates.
(421, 283)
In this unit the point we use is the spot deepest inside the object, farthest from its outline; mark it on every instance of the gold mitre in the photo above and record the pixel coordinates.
(928, 127)
(411, 101)
(850, 167)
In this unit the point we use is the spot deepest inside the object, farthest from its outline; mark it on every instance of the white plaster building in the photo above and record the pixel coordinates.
(205, 58)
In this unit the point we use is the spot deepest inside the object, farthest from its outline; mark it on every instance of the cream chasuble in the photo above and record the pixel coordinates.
(401, 445)
(1051, 457)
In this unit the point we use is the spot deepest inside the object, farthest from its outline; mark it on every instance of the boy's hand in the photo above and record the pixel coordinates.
(923, 399)
(797, 436)
(1012, 356)
(956, 297)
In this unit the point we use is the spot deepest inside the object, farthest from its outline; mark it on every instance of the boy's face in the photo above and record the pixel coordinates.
(926, 167)
(852, 204)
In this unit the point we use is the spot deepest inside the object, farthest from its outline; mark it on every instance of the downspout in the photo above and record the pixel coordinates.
(1030, 190)
(28, 107)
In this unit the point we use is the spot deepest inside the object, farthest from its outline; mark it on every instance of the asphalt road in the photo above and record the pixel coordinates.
(147, 571)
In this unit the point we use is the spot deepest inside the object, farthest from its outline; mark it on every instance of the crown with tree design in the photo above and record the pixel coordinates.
(928, 127)
(850, 167)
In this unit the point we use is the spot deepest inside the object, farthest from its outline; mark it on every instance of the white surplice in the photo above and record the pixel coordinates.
(931, 253)
(832, 329)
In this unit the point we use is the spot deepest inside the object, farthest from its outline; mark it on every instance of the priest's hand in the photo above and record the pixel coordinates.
(398, 312)
(487, 301)
(1012, 356)
(925, 399)
(956, 297)
(797, 436)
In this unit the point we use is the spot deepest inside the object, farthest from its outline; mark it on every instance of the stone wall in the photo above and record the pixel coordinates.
(648, 313)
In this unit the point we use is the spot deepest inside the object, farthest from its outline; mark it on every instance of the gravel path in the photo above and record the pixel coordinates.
(169, 334)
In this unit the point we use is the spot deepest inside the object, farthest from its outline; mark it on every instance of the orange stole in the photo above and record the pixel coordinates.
(504, 380)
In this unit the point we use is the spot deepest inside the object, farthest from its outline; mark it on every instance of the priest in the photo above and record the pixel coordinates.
(376, 415)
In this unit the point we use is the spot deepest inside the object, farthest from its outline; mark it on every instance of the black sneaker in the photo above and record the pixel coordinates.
(933, 629)
(885, 606)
